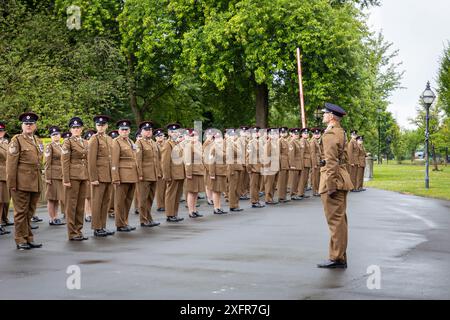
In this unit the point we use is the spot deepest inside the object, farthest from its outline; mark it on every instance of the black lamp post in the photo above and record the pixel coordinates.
(379, 135)
(428, 97)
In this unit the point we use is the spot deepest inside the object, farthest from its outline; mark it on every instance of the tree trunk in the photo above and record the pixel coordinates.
(413, 156)
(132, 89)
(262, 105)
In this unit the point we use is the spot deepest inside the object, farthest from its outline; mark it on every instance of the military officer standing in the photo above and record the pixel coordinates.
(160, 184)
(113, 134)
(236, 155)
(4, 192)
(334, 185)
(173, 172)
(87, 204)
(315, 160)
(75, 179)
(244, 179)
(207, 145)
(284, 165)
(304, 144)
(271, 164)
(253, 162)
(53, 176)
(149, 171)
(23, 175)
(295, 162)
(217, 169)
(353, 152)
(124, 175)
(361, 164)
(99, 169)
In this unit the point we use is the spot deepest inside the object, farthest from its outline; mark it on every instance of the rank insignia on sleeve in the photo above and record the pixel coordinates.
(13, 148)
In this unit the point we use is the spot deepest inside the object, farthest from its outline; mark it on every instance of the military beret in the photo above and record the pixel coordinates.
(146, 125)
(54, 130)
(245, 128)
(273, 130)
(354, 132)
(66, 135)
(2, 126)
(304, 130)
(360, 138)
(113, 134)
(209, 132)
(173, 126)
(295, 130)
(28, 117)
(159, 132)
(101, 119)
(123, 124)
(138, 133)
(284, 129)
(254, 129)
(316, 130)
(230, 131)
(75, 122)
(334, 109)
(88, 134)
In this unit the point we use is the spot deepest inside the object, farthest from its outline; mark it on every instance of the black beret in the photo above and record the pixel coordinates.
(75, 122)
(54, 130)
(28, 117)
(101, 119)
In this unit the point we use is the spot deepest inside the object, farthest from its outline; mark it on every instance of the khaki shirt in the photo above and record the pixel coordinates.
(284, 153)
(304, 144)
(253, 158)
(100, 158)
(124, 165)
(193, 159)
(74, 159)
(315, 152)
(361, 156)
(353, 151)
(235, 151)
(172, 167)
(3, 155)
(295, 155)
(271, 161)
(147, 157)
(334, 175)
(217, 160)
(53, 169)
(23, 163)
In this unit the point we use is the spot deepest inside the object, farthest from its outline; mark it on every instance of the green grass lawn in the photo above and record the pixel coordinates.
(410, 179)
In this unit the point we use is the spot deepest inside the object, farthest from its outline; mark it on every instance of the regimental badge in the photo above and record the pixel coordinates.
(134, 147)
(113, 168)
(64, 150)
(48, 151)
(13, 148)
(41, 147)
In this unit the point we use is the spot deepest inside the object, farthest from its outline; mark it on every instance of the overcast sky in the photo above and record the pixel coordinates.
(419, 29)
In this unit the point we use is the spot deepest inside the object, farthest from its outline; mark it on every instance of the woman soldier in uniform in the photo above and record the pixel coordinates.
(75, 179)
(53, 176)
(87, 203)
(4, 192)
(217, 170)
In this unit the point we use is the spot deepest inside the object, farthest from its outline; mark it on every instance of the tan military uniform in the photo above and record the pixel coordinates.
(353, 152)
(74, 168)
(244, 178)
(361, 166)
(235, 170)
(334, 176)
(315, 164)
(296, 164)
(174, 175)
(304, 144)
(217, 167)
(23, 173)
(254, 169)
(124, 170)
(160, 184)
(270, 168)
(149, 171)
(99, 168)
(53, 172)
(194, 167)
(4, 191)
(284, 168)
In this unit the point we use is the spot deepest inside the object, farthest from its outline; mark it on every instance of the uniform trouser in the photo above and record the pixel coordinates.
(146, 193)
(111, 199)
(24, 209)
(136, 199)
(282, 184)
(359, 178)
(123, 198)
(4, 213)
(261, 185)
(315, 179)
(75, 196)
(234, 191)
(335, 212)
(174, 190)
(353, 171)
(303, 181)
(255, 178)
(269, 186)
(160, 193)
(244, 182)
(295, 178)
(101, 195)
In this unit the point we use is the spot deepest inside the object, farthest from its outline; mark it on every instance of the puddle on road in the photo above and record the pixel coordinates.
(93, 261)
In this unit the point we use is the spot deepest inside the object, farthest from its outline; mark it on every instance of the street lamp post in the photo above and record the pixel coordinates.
(428, 97)
(379, 135)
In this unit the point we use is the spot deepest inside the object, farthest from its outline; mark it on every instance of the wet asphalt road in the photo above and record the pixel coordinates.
(268, 253)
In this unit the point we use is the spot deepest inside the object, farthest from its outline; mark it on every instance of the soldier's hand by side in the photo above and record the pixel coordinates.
(48, 181)
(331, 192)
(213, 178)
(189, 177)
(116, 182)
(141, 178)
(352, 165)
(67, 184)
(95, 183)
(13, 189)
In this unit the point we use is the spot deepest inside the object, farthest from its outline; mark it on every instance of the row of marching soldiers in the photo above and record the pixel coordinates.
(115, 170)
